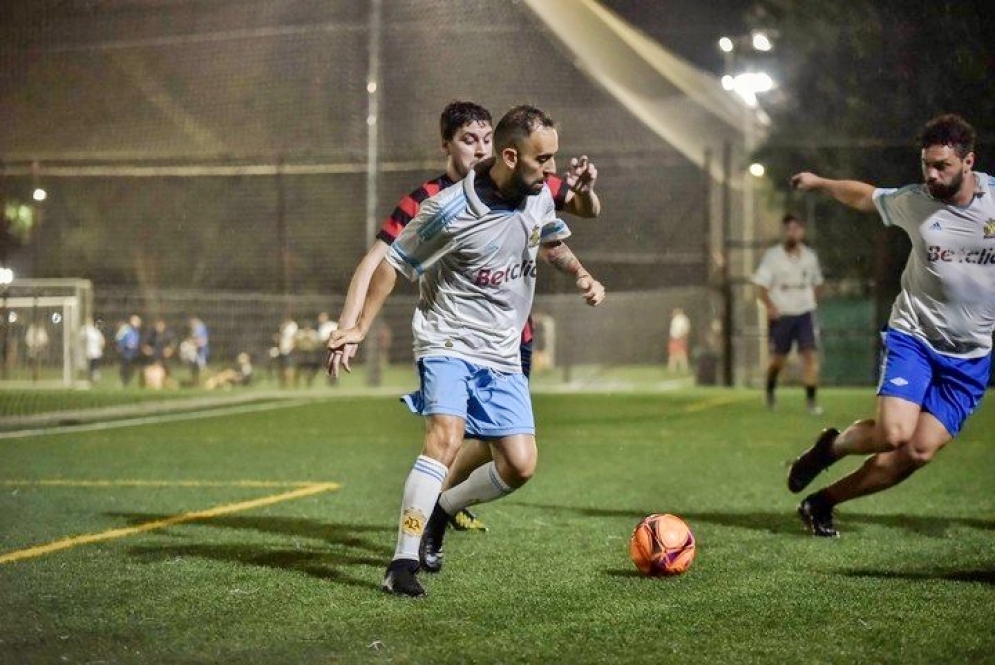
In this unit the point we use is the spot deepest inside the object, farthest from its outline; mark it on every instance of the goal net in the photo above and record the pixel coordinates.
(41, 332)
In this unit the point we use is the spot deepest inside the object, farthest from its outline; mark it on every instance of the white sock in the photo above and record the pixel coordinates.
(483, 485)
(421, 491)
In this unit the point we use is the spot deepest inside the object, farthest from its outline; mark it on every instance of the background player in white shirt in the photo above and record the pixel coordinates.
(788, 280)
(473, 248)
(938, 342)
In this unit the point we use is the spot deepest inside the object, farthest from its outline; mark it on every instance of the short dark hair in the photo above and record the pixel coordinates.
(458, 114)
(790, 217)
(518, 123)
(948, 129)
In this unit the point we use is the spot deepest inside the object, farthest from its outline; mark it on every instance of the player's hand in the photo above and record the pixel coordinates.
(581, 175)
(805, 181)
(340, 359)
(773, 314)
(592, 290)
(339, 352)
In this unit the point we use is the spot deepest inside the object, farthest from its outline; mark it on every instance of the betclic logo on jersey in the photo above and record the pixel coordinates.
(489, 277)
(982, 257)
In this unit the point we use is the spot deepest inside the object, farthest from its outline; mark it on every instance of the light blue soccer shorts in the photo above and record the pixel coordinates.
(492, 403)
(949, 388)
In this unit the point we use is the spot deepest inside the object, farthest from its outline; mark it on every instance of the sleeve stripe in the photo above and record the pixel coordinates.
(443, 217)
(406, 258)
(883, 208)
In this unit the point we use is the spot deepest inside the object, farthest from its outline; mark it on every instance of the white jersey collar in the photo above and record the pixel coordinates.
(477, 207)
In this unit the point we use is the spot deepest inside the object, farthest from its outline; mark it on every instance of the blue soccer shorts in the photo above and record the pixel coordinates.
(949, 388)
(492, 403)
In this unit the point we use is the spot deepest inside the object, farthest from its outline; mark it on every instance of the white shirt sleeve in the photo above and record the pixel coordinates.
(426, 238)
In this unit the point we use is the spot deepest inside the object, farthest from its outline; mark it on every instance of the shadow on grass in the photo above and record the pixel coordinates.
(771, 522)
(980, 576)
(787, 522)
(326, 562)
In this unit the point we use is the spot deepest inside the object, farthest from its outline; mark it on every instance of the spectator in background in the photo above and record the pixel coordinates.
(677, 345)
(310, 354)
(325, 327)
(158, 347)
(238, 376)
(93, 348)
(200, 348)
(286, 339)
(36, 340)
(128, 340)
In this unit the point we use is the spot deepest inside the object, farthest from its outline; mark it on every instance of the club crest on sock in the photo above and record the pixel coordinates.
(413, 522)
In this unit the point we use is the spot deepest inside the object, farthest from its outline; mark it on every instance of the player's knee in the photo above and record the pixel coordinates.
(442, 441)
(894, 435)
(517, 470)
(918, 456)
(519, 474)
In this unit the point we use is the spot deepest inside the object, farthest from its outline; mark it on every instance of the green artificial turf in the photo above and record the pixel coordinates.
(912, 580)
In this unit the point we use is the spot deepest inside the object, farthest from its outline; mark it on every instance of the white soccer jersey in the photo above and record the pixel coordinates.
(948, 285)
(477, 271)
(790, 279)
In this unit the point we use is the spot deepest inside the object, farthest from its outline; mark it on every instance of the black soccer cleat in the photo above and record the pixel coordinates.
(401, 579)
(818, 517)
(430, 548)
(813, 461)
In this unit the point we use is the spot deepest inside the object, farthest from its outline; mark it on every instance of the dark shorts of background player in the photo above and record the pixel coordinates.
(786, 330)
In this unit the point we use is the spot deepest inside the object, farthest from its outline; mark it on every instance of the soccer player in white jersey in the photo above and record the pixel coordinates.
(788, 280)
(473, 249)
(938, 341)
(466, 134)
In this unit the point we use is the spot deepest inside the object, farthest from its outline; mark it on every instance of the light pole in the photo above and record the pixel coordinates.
(744, 76)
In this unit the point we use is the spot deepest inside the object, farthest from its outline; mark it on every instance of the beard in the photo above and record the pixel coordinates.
(524, 187)
(944, 192)
(790, 244)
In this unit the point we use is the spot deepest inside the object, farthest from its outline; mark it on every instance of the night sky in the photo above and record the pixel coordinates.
(689, 28)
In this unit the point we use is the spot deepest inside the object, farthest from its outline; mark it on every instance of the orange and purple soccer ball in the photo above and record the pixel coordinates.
(662, 545)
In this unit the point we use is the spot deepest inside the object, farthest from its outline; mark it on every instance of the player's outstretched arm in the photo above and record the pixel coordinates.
(561, 257)
(353, 306)
(381, 285)
(853, 193)
(581, 200)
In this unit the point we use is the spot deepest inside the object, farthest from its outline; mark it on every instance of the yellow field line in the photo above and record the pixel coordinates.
(85, 539)
(63, 482)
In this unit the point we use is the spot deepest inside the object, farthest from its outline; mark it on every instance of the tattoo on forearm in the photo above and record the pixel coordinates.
(564, 260)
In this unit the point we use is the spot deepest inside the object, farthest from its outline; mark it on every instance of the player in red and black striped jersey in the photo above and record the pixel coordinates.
(466, 140)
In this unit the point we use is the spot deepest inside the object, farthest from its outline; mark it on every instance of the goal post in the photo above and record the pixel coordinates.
(40, 331)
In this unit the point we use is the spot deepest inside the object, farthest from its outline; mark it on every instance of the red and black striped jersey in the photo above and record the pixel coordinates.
(409, 206)
(558, 188)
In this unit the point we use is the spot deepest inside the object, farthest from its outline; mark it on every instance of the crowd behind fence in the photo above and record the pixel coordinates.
(274, 331)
